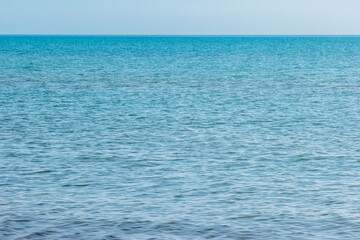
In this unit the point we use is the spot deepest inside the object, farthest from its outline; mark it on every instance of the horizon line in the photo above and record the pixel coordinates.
(184, 35)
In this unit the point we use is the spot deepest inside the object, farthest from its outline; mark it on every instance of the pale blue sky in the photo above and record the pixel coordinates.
(179, 17)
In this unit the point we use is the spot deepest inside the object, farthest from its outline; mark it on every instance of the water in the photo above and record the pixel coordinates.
(179, 137)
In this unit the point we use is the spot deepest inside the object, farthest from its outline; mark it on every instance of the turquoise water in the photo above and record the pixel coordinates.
(179, 137)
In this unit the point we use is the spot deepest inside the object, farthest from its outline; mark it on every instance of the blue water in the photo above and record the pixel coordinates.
(179, 137)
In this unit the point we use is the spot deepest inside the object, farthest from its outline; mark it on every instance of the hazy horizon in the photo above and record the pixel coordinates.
(182, 35)
(160, 17)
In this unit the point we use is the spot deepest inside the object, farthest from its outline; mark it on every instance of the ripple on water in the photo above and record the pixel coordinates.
(179, 138)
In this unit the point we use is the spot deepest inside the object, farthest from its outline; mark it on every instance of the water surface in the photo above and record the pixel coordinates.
(179, 137)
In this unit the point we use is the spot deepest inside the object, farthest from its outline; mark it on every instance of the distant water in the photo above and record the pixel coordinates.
(179, 137)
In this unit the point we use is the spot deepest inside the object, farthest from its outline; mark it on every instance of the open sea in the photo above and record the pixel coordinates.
(108, 137)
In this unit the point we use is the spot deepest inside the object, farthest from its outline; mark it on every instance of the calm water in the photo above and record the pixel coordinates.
(179, 138)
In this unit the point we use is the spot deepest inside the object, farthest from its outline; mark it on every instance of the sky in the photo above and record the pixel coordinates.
(180, 17)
